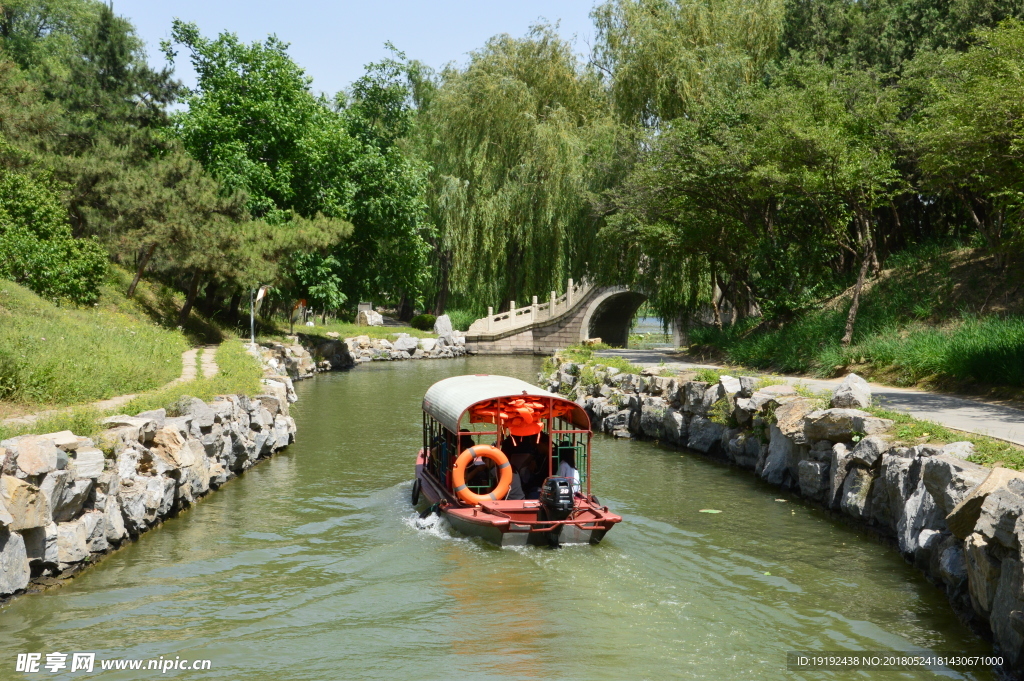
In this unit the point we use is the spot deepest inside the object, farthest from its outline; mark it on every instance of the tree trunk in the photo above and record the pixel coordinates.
(865, 262)
(714, 300)
(236, 300)
(442, 292)
(143, 261)
(210, 298)
(190, 298)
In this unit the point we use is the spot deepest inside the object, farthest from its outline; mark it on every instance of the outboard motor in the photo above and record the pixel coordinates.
(556, 497)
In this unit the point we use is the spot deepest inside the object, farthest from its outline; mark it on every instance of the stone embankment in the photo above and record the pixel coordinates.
(65, 500)
(302, 356)
(960, 523)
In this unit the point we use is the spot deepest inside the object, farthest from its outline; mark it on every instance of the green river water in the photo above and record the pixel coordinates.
(312, 567)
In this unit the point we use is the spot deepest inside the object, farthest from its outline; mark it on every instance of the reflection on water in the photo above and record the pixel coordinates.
(313, 566)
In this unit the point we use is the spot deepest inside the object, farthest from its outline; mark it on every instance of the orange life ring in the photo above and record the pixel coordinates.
(459, 474)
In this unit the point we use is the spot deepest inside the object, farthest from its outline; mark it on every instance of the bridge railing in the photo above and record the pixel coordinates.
(518, 317)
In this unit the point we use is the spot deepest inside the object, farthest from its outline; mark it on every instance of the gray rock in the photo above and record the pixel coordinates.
(780, 450)
(853, 393)
(857, 493)
(409, 344)
(789, 418)
(748, 384)
(72, 543)
(840, 425)
(674, 426)
(704, 434)
(142, 428)
(693, 396)
(41, 545)
(964, 515)
(918, 513)
(729, 385)
(72, 499)
(14, 567)
(52, 488)
(202, 415)
(1006, 601)
(838, 468)
(814, 479)
(953, 567)
(95, 523)
(157, 416)
(949, 478)
(869, 451)
(982, 574)
(369, 318)
(25, 504)
(961, 450)
(752, 452)
(652, 416)
(999, 514)
(443, 328)
(88, 462)
(116, 531)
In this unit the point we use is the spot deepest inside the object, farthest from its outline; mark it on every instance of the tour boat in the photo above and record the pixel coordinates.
(508, 462)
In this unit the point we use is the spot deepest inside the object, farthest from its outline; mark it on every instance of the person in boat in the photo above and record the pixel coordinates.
(480, 473)
(567, 465)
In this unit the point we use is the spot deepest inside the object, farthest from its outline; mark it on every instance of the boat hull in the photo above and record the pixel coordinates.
(514, 523)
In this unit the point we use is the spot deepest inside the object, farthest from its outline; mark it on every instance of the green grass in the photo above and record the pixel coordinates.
(584, 354)
(707, 375)
(920, 324)
(57, 356)
(987, 451)
(239, 374)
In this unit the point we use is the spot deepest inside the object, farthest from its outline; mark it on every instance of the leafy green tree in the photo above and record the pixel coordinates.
(661, 57)
(970, 136)
(513, 143)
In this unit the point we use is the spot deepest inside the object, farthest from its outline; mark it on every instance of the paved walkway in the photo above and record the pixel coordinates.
(965, 414)
(188, 373)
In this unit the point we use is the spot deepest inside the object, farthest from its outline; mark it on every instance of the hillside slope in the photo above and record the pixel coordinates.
(936, 317)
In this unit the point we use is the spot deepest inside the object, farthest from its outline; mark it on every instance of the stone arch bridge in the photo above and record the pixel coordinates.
(581, 313)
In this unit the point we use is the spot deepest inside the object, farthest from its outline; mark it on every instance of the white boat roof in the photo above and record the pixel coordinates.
(448, 399)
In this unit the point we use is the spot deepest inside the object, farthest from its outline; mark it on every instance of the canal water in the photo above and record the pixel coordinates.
(312, 567)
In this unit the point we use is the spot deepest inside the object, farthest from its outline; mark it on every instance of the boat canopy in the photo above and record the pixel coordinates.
(449, 399)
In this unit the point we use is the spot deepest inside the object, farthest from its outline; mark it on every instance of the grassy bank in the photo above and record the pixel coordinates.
(343, 329)
(52, 355)
(239, 373)
(940, 317)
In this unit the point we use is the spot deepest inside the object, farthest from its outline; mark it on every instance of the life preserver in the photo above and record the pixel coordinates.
(459, 474)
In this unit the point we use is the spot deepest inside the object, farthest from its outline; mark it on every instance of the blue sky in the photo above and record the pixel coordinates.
(333, 40)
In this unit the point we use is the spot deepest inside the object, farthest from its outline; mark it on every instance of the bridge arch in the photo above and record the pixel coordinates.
(609, 315)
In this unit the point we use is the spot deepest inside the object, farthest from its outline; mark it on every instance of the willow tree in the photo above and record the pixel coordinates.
(513, 140)
(661, 57)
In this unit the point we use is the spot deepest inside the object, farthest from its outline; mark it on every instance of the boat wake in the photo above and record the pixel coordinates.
(433, 525)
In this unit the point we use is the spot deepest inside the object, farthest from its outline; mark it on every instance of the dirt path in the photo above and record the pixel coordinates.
(966, 414)
(188, 373)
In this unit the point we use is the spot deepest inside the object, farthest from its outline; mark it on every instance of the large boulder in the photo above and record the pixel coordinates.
(853, 393)
(982, 574)
(674, 426)
(814, 479)
(25, 504)
(856, 495)
(14, 567)
(841, 425)
(789, 418)
(369, 318)
(41, 545)
(729, 385)
(999, 514)
(407, 344)
(918, 513)
(962, 518)
(88, 462)
(72, 499)
(1007, 606)
(949, 479)
(693, 396)
(780, 450)
(34, 455)
(139, 429)
(839, 465)
(652, 416)
(869, 451)
(72, 543)
(443, 329)
(704, 434)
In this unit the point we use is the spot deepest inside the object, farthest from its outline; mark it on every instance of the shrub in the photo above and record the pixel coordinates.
(423, 322)
(37, 249)
(461, 319)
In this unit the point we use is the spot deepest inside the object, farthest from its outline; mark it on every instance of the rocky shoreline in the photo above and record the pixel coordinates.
(67, 501)
(958, 522)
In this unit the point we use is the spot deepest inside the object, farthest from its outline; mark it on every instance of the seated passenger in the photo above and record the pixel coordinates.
(567, 467)
(521, 453)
